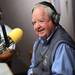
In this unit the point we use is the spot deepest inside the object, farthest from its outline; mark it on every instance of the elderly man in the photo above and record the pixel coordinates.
(52, 51)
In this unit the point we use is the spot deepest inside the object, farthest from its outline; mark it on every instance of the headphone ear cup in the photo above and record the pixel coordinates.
(56, 18)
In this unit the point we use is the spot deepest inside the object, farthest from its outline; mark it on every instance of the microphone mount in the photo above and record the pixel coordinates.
(7, 43)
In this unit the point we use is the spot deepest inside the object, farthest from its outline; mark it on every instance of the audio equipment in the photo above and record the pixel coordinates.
(55, 16)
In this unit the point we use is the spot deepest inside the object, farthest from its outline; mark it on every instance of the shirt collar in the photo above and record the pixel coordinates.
(44, 41)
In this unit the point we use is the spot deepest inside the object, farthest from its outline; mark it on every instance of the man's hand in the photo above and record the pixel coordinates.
(6, 54)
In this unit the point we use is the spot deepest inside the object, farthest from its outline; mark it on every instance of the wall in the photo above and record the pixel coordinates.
(73, 8)
(67, 16)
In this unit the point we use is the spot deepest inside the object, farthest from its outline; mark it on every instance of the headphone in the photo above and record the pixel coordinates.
(55, 16)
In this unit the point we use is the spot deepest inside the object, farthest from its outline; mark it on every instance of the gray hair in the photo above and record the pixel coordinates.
(48, 9)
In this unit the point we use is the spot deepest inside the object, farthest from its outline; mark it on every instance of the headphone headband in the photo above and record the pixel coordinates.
(49, 5)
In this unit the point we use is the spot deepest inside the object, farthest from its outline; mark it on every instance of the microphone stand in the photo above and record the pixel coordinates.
(4, 34)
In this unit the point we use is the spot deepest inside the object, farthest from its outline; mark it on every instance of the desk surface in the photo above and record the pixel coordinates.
(5, 70)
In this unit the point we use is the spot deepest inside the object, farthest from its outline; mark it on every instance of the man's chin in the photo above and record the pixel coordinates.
(41, 36)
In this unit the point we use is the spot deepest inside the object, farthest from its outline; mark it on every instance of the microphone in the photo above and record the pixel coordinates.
(15, 35)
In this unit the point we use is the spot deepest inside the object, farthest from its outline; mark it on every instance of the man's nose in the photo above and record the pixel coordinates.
(37, 24)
